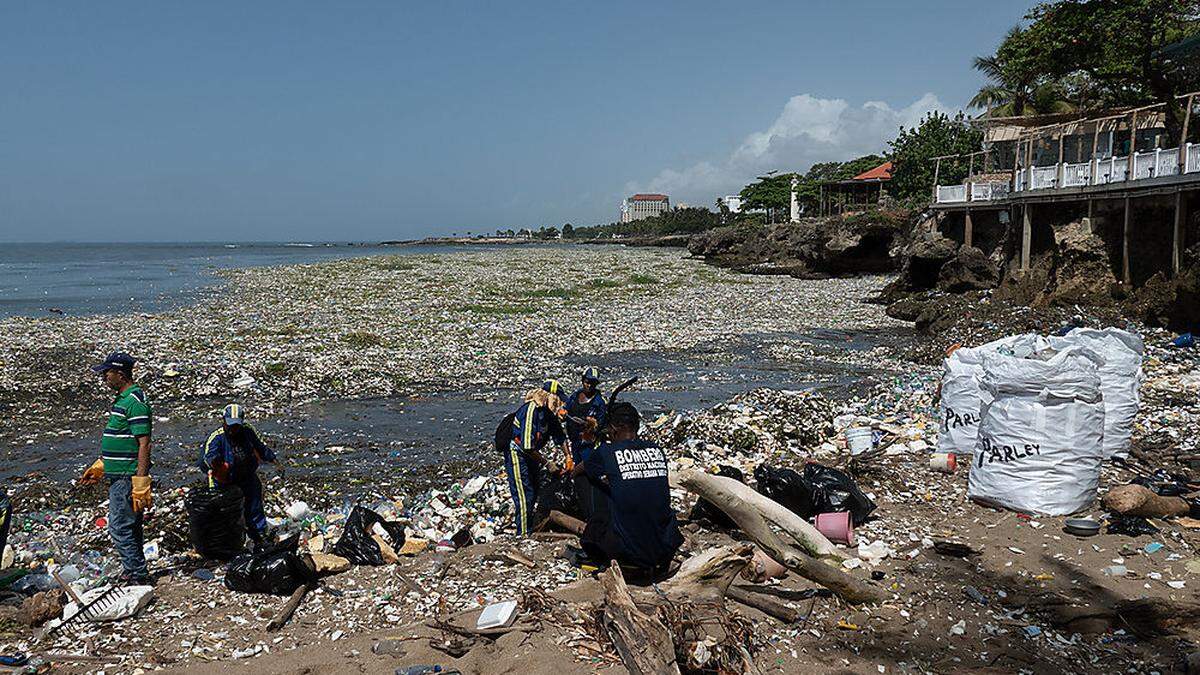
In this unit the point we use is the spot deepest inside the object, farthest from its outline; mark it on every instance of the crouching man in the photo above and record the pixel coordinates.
(638, 529)
(231, 457)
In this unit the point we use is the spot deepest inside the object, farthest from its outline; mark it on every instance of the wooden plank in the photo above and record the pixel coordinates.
(1187, 120)
(1177, 239)
(968, 230)
(1126, 276)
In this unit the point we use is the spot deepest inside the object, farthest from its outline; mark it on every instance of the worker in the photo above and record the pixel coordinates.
(232, 455)
(638, 528)
(533, 424)
(586, 404)
(125, 462)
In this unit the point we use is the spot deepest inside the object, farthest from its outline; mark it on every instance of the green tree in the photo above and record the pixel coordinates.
(1017, 87)
(913, 150)
(568, 231)
(772, 193)
(1118, 44)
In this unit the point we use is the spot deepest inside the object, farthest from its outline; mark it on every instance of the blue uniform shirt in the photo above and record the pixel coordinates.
(241, 459)
(534, 425)
(639, 498)
(597, 408)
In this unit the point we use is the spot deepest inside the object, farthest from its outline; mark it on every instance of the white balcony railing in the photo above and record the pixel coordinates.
(1111, 170)
(951, 194)
(1148, 164)
(1144, 164)
(1167, 163)
(1044, 177)
(1077, 175)
(987, 191)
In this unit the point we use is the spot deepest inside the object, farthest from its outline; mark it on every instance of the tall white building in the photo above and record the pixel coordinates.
(644, 206)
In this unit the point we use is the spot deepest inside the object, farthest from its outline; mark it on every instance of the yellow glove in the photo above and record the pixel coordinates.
(141, 493)
(93, 473)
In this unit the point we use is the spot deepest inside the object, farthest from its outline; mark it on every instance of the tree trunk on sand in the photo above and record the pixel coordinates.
(752, 511)
(706, 577)
(645, 645)
(728, 493)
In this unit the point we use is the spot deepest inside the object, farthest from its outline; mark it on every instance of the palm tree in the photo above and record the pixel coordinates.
(1013, 92)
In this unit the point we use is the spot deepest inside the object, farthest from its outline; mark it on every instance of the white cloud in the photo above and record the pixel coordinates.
(809, 130)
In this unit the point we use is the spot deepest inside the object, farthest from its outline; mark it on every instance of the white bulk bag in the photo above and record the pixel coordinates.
(1120, 380)
(1041, 433)
(958, 405)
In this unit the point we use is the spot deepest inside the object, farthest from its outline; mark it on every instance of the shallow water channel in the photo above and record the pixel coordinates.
(422, 440)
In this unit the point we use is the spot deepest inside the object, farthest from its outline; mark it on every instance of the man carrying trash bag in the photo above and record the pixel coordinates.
(232, 455)
(532, 425)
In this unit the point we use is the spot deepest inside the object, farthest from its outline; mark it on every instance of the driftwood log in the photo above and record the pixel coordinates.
(755, 515)
(765, 604)
(563, 522)
(706, 577)
(725, 493)
(1136, 500)
(644, 643)
(289, 609)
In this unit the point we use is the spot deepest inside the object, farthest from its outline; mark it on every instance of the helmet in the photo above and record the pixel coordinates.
(592, 374)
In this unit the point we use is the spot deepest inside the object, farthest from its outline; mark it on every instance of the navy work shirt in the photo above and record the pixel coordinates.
(239, 459)
(534, 425)
(640, 498)
(596, 408)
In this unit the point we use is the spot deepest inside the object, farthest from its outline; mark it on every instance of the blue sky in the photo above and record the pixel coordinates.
(374, 120)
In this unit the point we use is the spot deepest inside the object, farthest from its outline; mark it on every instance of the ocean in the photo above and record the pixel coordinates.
(78, 279)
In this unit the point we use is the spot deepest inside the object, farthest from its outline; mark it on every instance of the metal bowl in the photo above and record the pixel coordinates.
(1081, 527)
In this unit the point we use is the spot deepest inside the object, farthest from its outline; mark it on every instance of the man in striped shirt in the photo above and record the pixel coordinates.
(125, 451)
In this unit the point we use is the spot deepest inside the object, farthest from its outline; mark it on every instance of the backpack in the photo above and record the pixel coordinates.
(504, 433)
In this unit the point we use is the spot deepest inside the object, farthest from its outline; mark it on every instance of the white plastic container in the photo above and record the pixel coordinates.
(859, 439)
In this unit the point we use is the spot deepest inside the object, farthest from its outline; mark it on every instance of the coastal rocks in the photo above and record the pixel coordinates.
(1172, 303)
(836, 246)
(969, 270)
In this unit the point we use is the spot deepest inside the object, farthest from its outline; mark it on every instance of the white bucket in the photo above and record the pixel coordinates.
(859, 439)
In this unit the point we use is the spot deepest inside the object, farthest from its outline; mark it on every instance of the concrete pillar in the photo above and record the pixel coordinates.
(1026, 236)
(1126, 276)
(1177, 243)
(1091, 228)
(968, 230)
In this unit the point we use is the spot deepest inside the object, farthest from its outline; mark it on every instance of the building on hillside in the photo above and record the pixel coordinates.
(731, 202)
(855, 194)
(644, 205)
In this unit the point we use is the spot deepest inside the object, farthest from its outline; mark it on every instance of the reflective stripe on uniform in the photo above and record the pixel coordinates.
(527, 437)
(522, 508)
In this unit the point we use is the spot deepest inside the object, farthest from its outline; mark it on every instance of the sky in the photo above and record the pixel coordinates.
(367, 121)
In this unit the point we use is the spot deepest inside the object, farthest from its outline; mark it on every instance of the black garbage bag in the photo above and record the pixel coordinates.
(706, 511)
(555, 493)
(356, 544)
(1131, 526)
(821, 489)
(838, 492)
(215, 522)
(276, 569)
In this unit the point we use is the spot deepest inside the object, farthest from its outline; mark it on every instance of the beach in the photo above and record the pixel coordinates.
(379, 381)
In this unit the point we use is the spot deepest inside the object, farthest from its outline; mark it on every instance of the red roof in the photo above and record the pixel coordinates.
(648, 198)
(881, 172)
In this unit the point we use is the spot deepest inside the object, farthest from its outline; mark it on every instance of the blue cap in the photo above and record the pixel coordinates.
(119, 360)
(553, 387)
(234, 414)
(592, 374)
